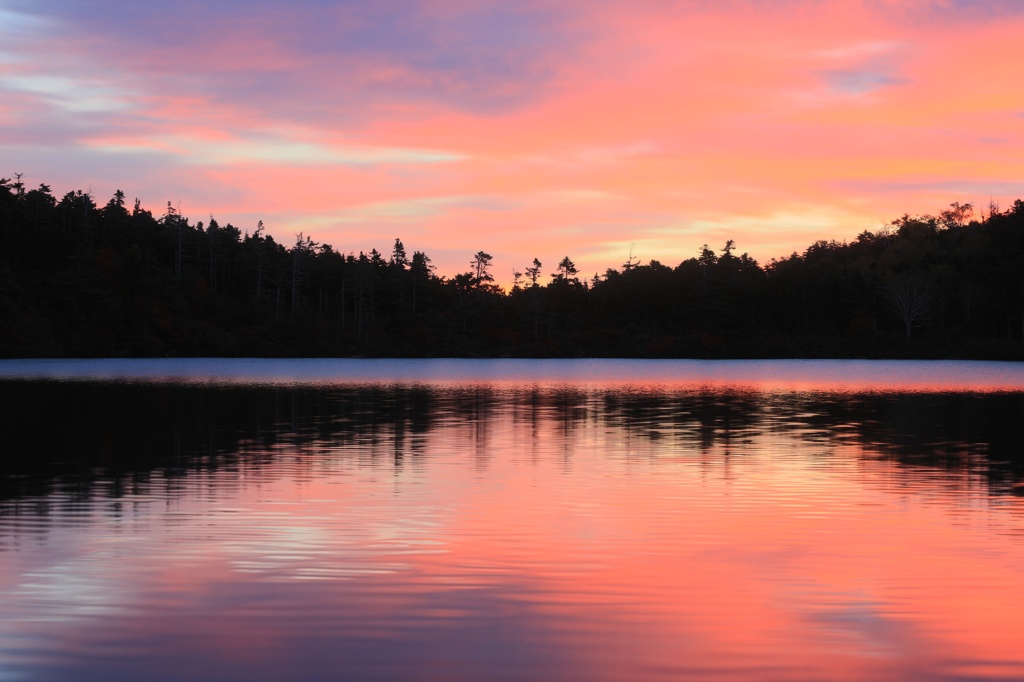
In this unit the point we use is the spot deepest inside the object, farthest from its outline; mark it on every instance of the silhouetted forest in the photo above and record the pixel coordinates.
(80, 280)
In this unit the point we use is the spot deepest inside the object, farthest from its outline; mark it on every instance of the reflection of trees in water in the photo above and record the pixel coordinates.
(78, 432)
(962, 432)
(702, 418)
(108, 439)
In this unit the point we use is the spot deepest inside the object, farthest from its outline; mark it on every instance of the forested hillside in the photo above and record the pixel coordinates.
(78, 279)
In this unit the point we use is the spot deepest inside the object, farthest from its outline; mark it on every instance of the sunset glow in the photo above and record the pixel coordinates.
(527, 129)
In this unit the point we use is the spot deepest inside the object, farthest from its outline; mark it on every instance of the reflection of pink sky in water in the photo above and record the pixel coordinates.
(551, 548)
(757, 375)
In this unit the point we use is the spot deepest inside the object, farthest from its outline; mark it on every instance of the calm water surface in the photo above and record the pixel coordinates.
(468, 520)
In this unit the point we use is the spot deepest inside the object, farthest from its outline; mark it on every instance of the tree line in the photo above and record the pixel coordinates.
(82, 280)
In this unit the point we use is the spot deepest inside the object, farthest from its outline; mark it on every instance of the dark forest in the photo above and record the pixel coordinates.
(78, 279)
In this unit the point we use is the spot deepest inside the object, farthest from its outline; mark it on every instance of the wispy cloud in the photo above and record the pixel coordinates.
(949, 10)
(863, 67)
(859, 81)
(418, 208)
(958, 189)
(267, 149)
(68, 94)
(310, 56)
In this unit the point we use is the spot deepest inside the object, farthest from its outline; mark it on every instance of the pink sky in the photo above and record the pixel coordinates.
(528, 129)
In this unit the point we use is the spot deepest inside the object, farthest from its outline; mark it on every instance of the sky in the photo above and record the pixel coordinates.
(593, 129)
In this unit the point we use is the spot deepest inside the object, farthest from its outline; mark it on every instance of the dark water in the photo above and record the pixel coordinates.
(524, 521)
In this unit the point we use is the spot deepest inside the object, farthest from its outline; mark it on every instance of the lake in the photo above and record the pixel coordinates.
(511, 520)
